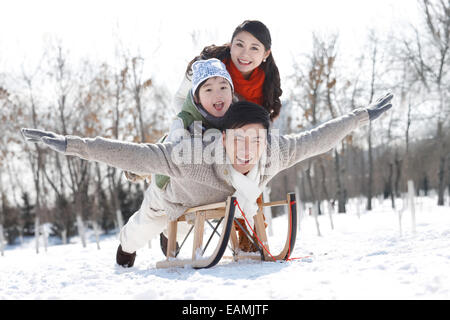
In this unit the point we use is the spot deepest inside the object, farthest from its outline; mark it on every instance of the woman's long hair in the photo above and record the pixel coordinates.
(272, 84)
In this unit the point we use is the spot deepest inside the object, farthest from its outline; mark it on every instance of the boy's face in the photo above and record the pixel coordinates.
(215, 96)
(245, 146)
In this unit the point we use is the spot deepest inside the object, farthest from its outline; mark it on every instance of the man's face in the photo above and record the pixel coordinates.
(245, 146)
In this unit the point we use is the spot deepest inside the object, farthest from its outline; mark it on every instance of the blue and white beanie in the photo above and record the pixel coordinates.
(205, 69)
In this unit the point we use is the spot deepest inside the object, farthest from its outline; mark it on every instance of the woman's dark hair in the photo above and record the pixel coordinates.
(272, 84)
(245, 112)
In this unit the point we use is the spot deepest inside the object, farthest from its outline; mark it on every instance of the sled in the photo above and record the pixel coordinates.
(222, 214)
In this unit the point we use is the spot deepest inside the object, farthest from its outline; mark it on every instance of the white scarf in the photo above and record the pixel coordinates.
(247, 192)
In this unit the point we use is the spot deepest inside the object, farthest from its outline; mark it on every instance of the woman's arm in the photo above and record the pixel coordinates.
(180, 95)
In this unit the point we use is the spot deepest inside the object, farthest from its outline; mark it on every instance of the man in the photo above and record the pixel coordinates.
(205, 170)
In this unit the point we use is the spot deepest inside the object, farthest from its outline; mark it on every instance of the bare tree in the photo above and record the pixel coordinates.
(309, 79)
(428, 54)
(9, 112)
(69, 119)
(314, 82)
(329, 56)
(36, 157)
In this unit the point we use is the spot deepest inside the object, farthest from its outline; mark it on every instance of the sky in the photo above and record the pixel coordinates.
(162, 31)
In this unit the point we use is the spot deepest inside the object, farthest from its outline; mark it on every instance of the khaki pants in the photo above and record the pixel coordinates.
(146, 224)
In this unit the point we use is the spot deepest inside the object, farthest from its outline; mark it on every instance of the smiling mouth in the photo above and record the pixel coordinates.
(243, 161)
(244, 62)
(219, 105)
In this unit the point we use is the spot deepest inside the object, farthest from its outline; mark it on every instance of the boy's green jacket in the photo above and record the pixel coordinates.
(188, 114)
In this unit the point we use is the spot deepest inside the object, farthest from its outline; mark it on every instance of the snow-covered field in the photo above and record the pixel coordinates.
(362, 258)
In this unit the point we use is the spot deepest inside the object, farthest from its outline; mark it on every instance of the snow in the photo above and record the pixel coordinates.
(364, 257)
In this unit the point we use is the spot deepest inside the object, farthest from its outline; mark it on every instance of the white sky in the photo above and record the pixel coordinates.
(161, 30)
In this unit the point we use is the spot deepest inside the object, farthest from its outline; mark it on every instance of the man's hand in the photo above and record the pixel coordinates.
(134, 178)
(378, 107)
(54, 141)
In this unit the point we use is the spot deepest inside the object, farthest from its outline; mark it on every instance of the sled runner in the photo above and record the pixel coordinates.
(222, 214)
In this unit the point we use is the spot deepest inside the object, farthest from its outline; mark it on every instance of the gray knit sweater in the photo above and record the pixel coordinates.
(197, 184)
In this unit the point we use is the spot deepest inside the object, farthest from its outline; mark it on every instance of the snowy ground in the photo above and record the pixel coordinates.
(362, 258)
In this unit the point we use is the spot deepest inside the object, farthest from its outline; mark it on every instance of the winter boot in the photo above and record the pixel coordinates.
(125, 259)
(163, 242)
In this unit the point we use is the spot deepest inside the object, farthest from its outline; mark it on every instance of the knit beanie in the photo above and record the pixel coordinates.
(204, 69)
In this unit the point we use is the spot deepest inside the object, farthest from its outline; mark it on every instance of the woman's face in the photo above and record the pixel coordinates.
(215, 96)
(247, 53)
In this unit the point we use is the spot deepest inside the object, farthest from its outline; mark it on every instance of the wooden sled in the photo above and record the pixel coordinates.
(222, 213)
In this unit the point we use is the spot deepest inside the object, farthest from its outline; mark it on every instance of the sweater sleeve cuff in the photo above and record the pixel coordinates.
(76, 146)
(362, 115)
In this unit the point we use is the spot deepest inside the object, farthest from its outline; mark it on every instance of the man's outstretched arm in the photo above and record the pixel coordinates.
(297, 147)
(139, 158)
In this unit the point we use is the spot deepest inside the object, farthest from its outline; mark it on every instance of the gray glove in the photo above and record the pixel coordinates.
(376, 108)
(54, 141)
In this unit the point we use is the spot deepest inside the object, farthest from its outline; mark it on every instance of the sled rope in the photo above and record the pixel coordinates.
(249, 236)
(254, 233)
(290, 232)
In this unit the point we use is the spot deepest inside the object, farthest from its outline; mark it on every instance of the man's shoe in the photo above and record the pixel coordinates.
(125, 259)
(163, 242)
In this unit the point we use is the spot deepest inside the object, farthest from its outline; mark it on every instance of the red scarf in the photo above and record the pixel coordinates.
(250, 89)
